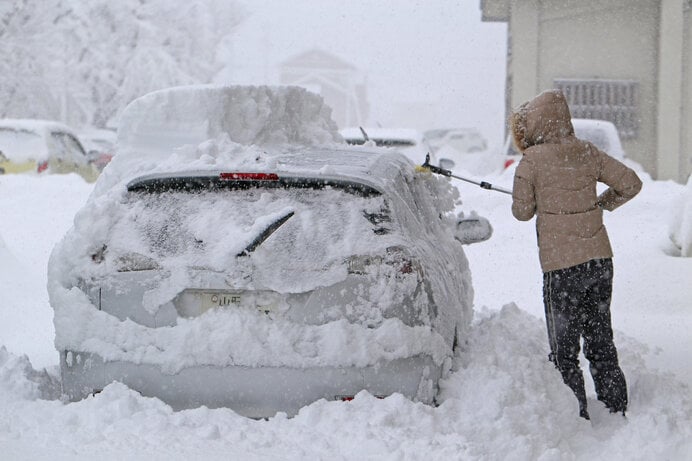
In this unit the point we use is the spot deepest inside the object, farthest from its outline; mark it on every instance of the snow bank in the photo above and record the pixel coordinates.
(503, 400)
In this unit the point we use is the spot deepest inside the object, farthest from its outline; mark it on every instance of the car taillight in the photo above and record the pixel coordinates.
(131, 262)
(249, 176)
(361, 264)
(395, 257)
(508, 162)
(42, 166)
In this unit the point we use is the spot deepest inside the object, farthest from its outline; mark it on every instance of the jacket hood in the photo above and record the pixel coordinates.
(544, 119)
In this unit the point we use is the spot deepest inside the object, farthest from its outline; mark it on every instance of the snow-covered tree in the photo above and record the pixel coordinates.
(82, 62)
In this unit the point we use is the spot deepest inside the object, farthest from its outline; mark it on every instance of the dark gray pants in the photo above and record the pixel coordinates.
(577, 305)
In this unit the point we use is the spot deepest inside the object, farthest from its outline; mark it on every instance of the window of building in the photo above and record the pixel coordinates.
(612, 100)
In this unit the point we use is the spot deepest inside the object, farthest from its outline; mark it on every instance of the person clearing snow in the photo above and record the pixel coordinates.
(556, 181)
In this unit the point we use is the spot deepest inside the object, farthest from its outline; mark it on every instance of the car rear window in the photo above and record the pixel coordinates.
(203, 221)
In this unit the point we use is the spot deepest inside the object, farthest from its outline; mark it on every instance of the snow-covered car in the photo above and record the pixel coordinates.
(234, 253)
(463, 140)
(464, 149)
(601, 133)
(99, 144)
(28, 145)
(409, 142)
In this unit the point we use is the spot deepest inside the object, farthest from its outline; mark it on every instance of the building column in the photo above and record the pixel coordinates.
(670, 91)
(524, 30)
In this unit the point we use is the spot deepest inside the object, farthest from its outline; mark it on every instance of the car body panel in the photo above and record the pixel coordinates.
(250, 391)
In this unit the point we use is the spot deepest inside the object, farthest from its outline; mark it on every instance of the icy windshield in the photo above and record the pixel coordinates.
(190, 222)
(21, 145)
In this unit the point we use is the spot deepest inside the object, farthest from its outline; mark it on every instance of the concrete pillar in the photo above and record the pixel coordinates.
(670, 91)
(524, 27)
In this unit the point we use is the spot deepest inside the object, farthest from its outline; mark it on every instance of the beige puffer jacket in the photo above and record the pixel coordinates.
(556, 180)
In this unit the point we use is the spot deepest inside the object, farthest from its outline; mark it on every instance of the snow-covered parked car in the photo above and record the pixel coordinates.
(234, 253)
(30, 145)
(601, 133)
(99, 144)
(408, 141)
(462, 140)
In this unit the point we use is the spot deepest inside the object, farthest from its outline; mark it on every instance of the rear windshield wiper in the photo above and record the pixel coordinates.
(265, 234)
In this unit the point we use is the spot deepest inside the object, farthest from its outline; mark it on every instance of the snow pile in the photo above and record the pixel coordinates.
(503, 400)
(680, 227)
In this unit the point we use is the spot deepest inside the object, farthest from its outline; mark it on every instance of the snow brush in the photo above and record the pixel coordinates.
(427, 167)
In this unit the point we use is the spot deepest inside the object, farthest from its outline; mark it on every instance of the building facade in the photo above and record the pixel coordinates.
(627, 61)
(338, 82)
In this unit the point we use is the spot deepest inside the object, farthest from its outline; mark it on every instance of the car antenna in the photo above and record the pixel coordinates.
(441, 171)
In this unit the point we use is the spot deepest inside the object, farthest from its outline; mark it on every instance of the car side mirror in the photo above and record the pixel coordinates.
(92, 156)
(472, 229)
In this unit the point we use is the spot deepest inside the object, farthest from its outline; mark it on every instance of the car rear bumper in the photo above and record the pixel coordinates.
(254, 392)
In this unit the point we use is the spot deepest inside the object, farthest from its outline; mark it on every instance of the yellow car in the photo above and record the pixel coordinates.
(42, 146)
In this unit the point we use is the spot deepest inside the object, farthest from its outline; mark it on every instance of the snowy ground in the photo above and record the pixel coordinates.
(503, 401)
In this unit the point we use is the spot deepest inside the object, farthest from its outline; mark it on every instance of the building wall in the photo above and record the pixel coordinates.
(590, 39)
(338, 82)
(686, 147)
(646, 41)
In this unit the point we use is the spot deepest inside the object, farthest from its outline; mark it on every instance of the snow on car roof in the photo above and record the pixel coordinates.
(249, 115)
(35, 125)
(233, 128)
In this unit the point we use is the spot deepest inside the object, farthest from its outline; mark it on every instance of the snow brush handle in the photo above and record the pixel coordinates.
(427, 167)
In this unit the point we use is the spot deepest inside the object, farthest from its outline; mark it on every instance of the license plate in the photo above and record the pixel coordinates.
(214, 300)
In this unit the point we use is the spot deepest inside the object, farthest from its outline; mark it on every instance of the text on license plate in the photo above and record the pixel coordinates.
(212, 300)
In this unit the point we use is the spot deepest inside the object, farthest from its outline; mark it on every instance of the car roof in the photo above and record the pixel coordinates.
(35, 125)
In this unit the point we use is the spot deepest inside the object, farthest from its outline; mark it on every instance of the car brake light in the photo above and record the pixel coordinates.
(133, 262)
(249, 176)
(508, 162)
(396, 257)
(42, 166)
(359, 264)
